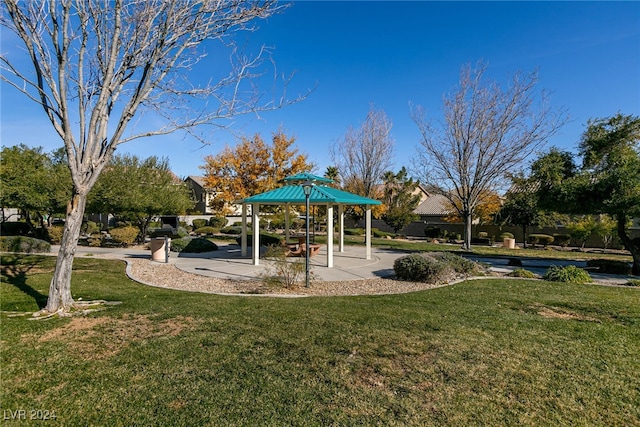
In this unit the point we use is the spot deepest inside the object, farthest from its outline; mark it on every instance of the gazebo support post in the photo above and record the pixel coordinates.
(243, 236)
(329, 235)
(368, 232)
(341, 226)
(287, 222)
(255, 244)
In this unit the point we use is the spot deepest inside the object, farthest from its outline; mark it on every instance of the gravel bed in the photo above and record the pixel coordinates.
(168, 276)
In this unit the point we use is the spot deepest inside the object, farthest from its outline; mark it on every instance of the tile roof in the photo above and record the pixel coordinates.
(436, 204)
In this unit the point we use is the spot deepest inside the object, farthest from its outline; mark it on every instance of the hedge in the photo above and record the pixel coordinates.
(193, 245)
(609, 266)
(23, 244)
(542, 239)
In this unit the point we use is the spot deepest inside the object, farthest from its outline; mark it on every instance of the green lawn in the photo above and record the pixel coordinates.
(484, 352)
(538, 252)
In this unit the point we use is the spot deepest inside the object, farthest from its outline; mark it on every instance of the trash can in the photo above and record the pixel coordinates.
(160, 249)
(509, 243)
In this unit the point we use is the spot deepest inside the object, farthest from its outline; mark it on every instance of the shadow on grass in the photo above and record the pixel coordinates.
(16, 275)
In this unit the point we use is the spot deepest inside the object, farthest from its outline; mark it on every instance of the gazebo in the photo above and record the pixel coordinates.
(292, 193)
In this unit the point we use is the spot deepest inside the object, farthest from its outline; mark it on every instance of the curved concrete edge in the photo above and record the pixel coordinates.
(129, 273)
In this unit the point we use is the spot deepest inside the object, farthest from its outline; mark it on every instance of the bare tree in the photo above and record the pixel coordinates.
(486, 133)
(95, 65)
(365, 153)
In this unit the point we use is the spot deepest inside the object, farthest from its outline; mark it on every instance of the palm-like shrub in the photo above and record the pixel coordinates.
(568, 274)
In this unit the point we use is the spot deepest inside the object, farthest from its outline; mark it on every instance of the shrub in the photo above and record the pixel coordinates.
(23, 244)
(481, 241)
(193, 245)
(562, 239)
(124, 235)
(17, 228)
(568, 274)
(418, 268)
(205, 230)
(282, 272)
(217, 221)
(432, 232)
(610, 266)
(199, 223)
(540, 239)
(266, 239)
(457, 263)
(354, 231)
(95, 241)
(521, 272)
(297, 224)
(234, 229)
(506, 235)
(89, 227)
(380, 234)
(55, 234)
(182, 232)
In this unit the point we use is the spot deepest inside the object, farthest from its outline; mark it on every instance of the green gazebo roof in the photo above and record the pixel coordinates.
(320, 195)
(306, 176)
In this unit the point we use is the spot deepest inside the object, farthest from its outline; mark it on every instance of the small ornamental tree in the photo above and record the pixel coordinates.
(399, 199)
(520, 208)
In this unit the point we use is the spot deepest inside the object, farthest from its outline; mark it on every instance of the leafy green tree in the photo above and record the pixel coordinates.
(138, 190)
(399, 199)
(606, 228)
(581, 228)
(520, 207)
(36, 183)
(608, 181)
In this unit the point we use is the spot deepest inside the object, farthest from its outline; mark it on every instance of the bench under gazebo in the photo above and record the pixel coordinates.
(292, 194)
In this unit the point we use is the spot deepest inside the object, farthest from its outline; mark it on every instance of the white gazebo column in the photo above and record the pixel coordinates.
(329, 235)
(255, 220)
(287, 221)
(367, 235)
(243, 236)
(341, 226)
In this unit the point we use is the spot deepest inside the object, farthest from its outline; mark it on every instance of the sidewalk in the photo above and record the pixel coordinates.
(227, 263)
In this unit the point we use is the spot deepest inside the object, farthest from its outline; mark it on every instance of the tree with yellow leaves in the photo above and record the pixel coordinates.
(488, 206)
(253, 166)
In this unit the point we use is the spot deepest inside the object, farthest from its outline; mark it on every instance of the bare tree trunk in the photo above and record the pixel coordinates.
(60, 288)
(628, 243)
(524, 236)
(467, 231)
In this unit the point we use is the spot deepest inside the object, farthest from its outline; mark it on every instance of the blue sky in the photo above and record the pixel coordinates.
(391, 54)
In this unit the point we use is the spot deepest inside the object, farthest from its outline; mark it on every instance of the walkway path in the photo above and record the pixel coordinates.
(227, 263)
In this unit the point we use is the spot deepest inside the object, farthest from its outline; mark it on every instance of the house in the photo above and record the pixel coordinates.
(206, 197)
(434, 209)
(202, 196)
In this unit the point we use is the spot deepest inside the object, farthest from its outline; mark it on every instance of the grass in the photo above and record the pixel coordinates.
(482, 352)
(422, 246)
